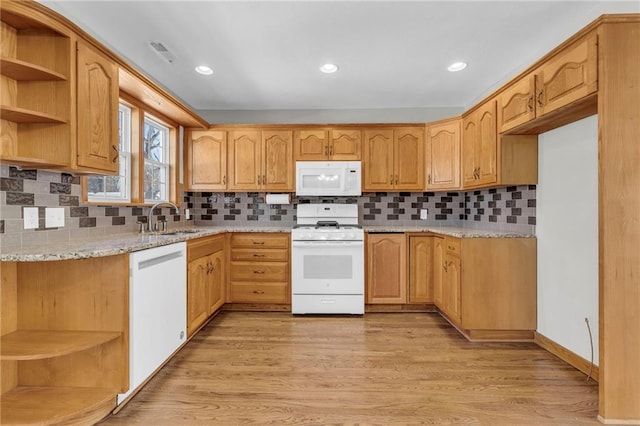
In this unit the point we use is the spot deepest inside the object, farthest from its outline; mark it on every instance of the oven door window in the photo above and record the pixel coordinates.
(327, 266)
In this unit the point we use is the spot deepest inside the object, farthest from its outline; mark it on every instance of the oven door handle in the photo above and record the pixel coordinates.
(324, 244)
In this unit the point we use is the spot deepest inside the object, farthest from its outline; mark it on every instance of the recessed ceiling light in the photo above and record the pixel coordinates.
(204, 70)
(457, 66)
(329, 68)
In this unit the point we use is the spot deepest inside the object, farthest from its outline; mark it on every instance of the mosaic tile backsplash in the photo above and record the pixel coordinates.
(508, 209)
(40, 188)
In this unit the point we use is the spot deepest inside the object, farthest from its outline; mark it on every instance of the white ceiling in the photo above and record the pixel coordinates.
(391, 54)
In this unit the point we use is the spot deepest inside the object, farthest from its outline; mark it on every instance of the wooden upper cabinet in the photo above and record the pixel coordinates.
(97, 136)
(568, 76)
(345, 144)
(393, 159)
(479, 146)
(517, 104)
(488, 141)
(244, 160)
(443, 155)
(409, 158)
(327, 144)
(260, 160)
(277, 167)
(386, 268)
(206, 160)
(378, 172)
(311, 145)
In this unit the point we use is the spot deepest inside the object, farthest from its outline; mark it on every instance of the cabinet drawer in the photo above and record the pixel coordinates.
(260, 255)
(260, 271)
(260, 240)
(259, 292)
(204, 247)
(452, 246)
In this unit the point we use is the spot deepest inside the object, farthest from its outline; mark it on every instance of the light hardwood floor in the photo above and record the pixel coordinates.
(274, 368)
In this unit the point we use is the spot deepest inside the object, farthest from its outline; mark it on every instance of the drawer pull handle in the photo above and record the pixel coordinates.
(259, 243)
(258, 272)
(258, 292)
(258, 255)
(451, 247)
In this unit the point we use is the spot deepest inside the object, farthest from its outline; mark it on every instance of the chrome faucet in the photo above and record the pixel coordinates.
(151, 228)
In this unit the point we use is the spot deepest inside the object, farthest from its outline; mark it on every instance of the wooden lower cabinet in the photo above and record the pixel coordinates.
(64, 339)
(421, 269)
(386, 269)
(205, 280)
(260, 268)
(451, 283)
(487, 286)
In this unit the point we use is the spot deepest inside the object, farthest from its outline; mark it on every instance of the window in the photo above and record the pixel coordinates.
(149, 152)
(156, 161)
(115, 188)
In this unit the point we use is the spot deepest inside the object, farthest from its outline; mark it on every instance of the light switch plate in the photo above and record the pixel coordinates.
(423, 214)
(54, 217)
(30, 217)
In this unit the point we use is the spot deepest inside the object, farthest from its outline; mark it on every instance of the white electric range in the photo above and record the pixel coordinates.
(327, 260)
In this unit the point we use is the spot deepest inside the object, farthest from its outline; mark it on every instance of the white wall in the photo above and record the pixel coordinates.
(318, 116)
(567, 232)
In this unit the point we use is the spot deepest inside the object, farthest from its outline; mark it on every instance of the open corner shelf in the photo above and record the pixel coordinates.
(38, 405)
(26, 71)
(22, 115)
(40, 344)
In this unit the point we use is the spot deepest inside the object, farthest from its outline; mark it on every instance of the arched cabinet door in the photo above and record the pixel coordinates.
(97, 135)
(206, 163)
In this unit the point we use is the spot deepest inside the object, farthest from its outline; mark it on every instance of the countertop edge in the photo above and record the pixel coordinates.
(128, 243)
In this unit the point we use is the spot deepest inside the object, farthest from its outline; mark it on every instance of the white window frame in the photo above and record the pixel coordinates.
(164, 164)
(124, 146)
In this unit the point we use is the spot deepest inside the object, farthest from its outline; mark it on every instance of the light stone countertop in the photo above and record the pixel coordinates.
(115, 244)
(126, 243)
(450, 231)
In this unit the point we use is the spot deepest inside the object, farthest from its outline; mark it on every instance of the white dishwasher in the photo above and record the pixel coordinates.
(157, 309)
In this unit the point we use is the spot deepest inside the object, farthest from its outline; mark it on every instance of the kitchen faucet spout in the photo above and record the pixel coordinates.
(150, 216)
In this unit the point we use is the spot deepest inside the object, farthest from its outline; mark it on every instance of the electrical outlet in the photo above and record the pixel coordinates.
(30, 217)
(187, 214)
(54, 217)
(423, 214)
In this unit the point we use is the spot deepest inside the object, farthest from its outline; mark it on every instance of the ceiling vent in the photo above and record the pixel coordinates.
(162, 51)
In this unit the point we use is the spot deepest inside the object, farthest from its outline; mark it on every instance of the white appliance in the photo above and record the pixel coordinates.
(328, 178)
(157, 309)
(327, 260)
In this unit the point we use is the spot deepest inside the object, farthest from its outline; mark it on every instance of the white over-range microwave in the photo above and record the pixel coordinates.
(328, 178)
